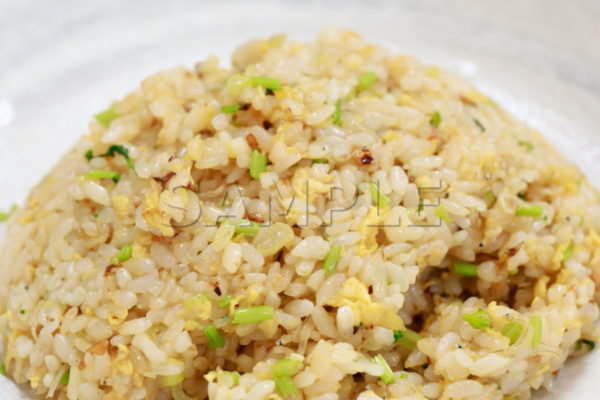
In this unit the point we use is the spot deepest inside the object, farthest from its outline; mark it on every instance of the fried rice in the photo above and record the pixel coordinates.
(321, 220)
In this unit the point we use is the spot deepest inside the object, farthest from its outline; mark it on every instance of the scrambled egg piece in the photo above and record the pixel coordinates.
(121, 204)
(369, 232)
(121, 362)
(153, 215)
(316, 186)
(355, 295)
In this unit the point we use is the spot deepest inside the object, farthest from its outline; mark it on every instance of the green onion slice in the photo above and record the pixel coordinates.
(388, 375)
(332, 258)
(533, 210)
(527, 145)
(247, 227)
(64, 380)
(249, 315)
(118, 149)
(336, 117)
(215, 340)
(125, 253)
(286, 367)
(231, 108)
(536, 323)
(490, 198)
(465, 269)
(568, 252)
(258, 164)
(172, 380)
(285, 386)
(436, 119)
(266, 83)
(224, 302)
(101, 174)
(479, 124)
(441, 212)
(377, 197)
(590, 344)
(478, 320)
(5, 215)
(106, 117)
(512, 331)
(366, 80)
(407, 338)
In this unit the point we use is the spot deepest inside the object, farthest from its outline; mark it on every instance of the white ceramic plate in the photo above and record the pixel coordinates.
(62, 61)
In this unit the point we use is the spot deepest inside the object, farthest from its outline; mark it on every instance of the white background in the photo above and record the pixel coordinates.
(63, 61)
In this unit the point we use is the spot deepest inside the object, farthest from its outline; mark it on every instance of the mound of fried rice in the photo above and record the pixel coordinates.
(320, 221)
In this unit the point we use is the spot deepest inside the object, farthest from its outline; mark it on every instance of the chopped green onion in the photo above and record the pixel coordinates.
(522, 196)
(408, 338)
(403, 376)
(361, 325)
(101, 174)
(248, 315)
(258, 164)
(421, 206)
(198, 302)
(527, 145)
(478, 320)
(2, 369)
(64, 380)
(337, 114)
(512, 331)
(589, 343)
(366, 80)
(568, 252)
(441, 212)
(96, 214)
(172, 380)
(377, 197)
(286, 367)
(479, 124)
(465, 269)
(234, 375)
(320, 161)
(125, 253)
(231, 109)
(388, 376)
(266, 83)
(106, 117)
(215, 340)
(536, 324)
(5, 215)
(397, 336)
(224, 302)
(285, 386)
(436, 119)
(89, 154)
(490, 198)
(533, 210)
(332, 258)
(247, 227)
(118, 149)
(22, 312)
